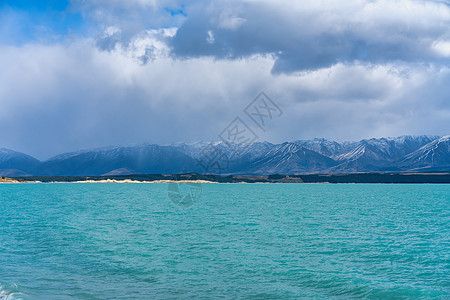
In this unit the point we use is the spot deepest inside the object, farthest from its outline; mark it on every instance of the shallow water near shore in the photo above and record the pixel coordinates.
(248, 241)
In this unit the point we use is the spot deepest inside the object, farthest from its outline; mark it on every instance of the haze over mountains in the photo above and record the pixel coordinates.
(401, 154)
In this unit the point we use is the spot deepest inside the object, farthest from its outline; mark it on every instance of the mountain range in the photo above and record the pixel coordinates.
(400, 154)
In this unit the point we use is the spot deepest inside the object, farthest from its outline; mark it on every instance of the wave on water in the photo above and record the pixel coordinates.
(8, 294)
(3, 294)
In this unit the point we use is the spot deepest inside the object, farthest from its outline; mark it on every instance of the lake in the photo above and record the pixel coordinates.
(245, 241)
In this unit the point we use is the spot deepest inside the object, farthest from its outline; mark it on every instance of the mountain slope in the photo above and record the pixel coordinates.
(145, 159)
(13, 163)
(289, 158)
(434, 156)
(325, 147)
(378, 154)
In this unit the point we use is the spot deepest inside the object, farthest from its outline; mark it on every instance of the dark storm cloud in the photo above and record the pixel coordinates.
(307, 35)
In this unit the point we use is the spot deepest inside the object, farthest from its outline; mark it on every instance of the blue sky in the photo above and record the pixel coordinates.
(82, 74)
(39, 21)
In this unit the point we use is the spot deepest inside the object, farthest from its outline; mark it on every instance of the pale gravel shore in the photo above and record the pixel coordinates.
(137, 181)
(16, 181)
(10, 180)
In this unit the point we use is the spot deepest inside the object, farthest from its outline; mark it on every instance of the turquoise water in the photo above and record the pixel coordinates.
(244, 241)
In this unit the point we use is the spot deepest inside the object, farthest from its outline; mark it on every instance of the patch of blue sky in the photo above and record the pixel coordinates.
(177, 11)
(27, 21)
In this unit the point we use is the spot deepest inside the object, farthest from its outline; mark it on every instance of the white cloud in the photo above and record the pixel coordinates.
(57, 98)
(110, 31)
(210, 38)
(442, 48)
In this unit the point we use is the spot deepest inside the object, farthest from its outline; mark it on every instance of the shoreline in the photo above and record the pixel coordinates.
(195, 178)
(13, 181)
(138, 181)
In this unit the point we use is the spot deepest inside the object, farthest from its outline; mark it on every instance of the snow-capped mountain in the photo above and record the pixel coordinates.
(405, 153)
(432, 156)
(377, 154)
(142, 159)
(325, 147)
(289, 158)
(13, 163)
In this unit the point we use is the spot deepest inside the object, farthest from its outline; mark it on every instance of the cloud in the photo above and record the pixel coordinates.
(58, 98)
(301, 35)
(119, 22)
(308, 35)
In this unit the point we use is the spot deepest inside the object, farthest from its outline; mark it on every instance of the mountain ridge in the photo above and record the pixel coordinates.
(392, 154)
